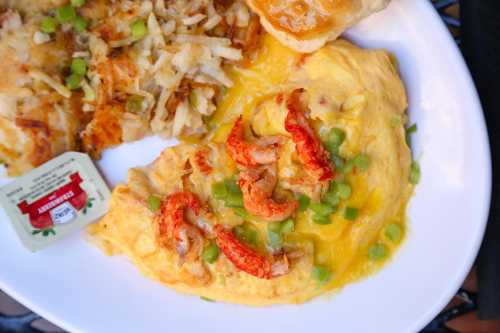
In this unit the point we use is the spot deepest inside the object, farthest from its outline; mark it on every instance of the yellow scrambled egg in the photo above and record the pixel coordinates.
(357, 92)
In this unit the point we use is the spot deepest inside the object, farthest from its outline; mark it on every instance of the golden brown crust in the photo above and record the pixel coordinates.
(305, 26)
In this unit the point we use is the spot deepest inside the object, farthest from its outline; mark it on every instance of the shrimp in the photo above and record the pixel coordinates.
(261, 151)
(309, 148)
(172, 225)
(257, 185)
(247, 259)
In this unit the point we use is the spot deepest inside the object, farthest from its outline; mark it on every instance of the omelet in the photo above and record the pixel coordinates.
(306, 26)
(300, 189)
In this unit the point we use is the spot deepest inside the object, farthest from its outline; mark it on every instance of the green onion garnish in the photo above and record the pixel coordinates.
(342, 190)
(246, 233)
(232, 185)
(321, 219)
(74, 81)
(393, 232)
(78, 66)
(210, 253)
(49, 25)
(219, 190)
(377, 252)
(414, 173)
(234, 200)
(154, 203)
(80, 24)
(412, 129)
(321, 208)
(321, 273)
(65, 14)
(334, 140)
(304, 202)
(139, 29)
(351, 213)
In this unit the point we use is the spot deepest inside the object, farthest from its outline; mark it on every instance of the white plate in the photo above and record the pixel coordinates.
(74, 285)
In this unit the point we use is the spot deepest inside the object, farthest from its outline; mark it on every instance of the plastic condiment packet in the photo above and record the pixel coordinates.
(55, 199)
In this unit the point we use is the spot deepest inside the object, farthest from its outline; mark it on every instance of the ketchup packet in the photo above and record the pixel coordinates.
(55, 199)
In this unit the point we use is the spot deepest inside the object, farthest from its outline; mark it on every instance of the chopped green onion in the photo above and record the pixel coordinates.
(139, 29)
(219, 191)
(154, 203)
(241, 212)
(49, 25)
(334, 140)
(377, 252)
(234, 200)
(342, 190)
(321, 219)
(74, 81)
(210, 253)
(412, 129)
(206, 299)
(409, 131)
(322, 208)
(232, 185)
(414, 173)
(246, 233)
(252, 236)
(351, 213)
(65, 14)
(78, 66)
(393, 232)
(80, 24)
(134, 104)
(304, 202)
(321, 273)
(331, 198)
(287, 226)
(77, 3)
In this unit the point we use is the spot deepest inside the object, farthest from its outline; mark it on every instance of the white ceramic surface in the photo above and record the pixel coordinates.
(74, 285)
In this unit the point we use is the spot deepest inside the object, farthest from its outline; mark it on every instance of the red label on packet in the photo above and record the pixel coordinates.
(56, 198)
